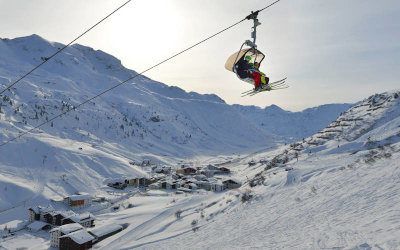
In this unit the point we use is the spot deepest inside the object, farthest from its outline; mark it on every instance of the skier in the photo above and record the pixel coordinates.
(259, 78)
(243, 68)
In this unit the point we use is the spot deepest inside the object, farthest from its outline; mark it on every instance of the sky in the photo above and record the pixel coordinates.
(331, 51)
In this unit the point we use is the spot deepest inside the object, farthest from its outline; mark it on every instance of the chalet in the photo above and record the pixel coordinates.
(118, 183)
(34, 214)
(161, 170)
(39, 212)
(59, 216)
(139, 182)
(224, 170)
(206, 185)
(78, 240)
(48, 217)
(78, 200)
(232, 183)
(211, 168)
(207, 173)
(168, 184)
(191, 186)
(57, 232)
(217, 186)
(100, 233)
(86, 219)
(186, 171)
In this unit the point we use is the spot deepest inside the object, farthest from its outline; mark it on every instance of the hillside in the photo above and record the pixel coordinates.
(333, 185)
(341, 193)
(292, 125)
(143, 119)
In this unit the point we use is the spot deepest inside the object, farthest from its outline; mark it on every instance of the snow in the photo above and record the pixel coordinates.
(338, 188)
(13, 225)
(104, 230)
(77, 197)
(36, 226)
(80, 236)
(68, 228)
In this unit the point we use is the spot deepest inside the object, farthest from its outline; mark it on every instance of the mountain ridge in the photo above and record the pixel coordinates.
(142, 119)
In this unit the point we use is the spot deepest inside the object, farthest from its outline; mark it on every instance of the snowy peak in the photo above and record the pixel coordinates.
(274, 109)
(292, 126)
(369, 114)
(143, 114)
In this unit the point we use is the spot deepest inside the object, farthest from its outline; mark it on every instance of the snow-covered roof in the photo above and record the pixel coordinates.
(40, 209)
(216, 182)
(233, 180)
(104, 230)
(77, 197)
(82, 217)
(115, 180)
(68, 228)
(80, 237)
(37, 225)
(66, 214)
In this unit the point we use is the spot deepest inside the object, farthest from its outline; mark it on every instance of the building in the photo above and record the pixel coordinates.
(190, 186)
(78, 200)
(217, 186)
(161, 170)
(207, 173)
(224, 170)
(206, 185)
(139, 182)
(85, 219)
(57, 232)
(211, 168)
(59, 217)
(78, 240)
(169, 184)
(186, 171)
(38, 225)
(232, 183)
(39, 212)
(33, 214)
(118, 185)
(100, 233)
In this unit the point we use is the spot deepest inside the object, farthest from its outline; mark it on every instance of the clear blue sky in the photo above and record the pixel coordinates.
(331, 51)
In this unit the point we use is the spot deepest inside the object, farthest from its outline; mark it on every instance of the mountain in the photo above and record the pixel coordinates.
(337, 189)
(142, 119)
(292, 126)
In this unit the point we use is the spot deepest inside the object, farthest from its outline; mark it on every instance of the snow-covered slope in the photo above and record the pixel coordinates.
(140, 120)
(338, 189)
(292, 125)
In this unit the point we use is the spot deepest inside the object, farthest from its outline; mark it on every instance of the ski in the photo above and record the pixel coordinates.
(270, 84)
(253, 92)
(277, 84)
(263, 90)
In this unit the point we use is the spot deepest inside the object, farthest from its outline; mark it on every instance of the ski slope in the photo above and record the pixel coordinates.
(338, 188)
(140, 120)
(327, 199)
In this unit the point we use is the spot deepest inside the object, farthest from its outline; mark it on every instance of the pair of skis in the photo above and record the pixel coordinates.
(269, 87)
